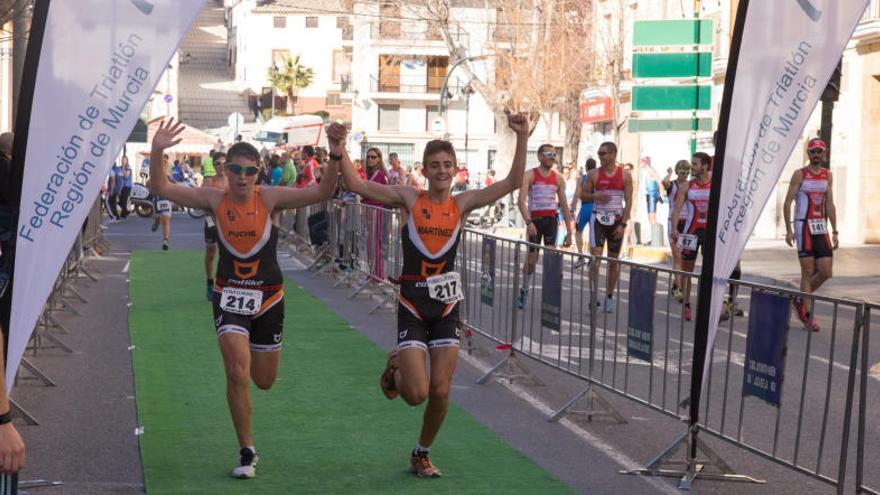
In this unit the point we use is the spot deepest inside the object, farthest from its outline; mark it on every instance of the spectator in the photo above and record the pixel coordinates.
(395, 171)
(177, 174)
(462, 178)
(127, 180)
(376, 218)
(6, 140)
(264, 177)
(414, 176)
(321, 156)
(114, 187)
(490, 178)
(359, 165)
(310, 167)
(653, 192)
(276, 170)
(288, 175)
(627, 232)
(375, 172)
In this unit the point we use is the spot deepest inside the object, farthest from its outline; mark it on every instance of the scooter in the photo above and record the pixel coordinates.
(141, 200)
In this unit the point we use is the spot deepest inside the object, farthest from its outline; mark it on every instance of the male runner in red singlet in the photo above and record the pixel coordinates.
(810, 188)
(610, 188)
(248, 290)
(545, 190)
(430, 286)
(694, 197)
(217, 181)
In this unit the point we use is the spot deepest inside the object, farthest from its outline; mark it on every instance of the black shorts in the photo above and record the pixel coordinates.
(691, 254)
(427, 333)
(600, 234)
(810, 245)
(263, 330)
(547, 228)
(210, 234)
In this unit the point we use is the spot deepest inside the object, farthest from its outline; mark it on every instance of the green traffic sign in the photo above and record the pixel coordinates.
(674, 32)
(652, 65)
(652, 98)
(667, 125)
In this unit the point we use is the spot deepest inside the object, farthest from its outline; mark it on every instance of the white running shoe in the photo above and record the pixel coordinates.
(247, 464)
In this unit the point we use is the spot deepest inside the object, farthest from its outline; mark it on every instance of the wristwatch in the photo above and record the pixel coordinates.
(337, 158)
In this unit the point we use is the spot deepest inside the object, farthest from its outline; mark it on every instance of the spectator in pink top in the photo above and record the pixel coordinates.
(376, 217)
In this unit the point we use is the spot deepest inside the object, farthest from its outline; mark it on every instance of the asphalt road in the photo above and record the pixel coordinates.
(96, 386)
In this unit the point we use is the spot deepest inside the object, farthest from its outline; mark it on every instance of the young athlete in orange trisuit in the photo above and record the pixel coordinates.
(430, 286)
(248, 290)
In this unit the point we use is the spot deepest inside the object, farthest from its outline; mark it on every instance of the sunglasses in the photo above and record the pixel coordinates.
(815, 151)
(602, 153)
(682, 171)
(548, 154)
(239, 169)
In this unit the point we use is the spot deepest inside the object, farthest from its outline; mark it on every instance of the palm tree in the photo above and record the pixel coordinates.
(290, 78)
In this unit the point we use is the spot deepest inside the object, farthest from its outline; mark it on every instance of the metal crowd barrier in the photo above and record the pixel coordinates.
(63, 299)
(808, 430)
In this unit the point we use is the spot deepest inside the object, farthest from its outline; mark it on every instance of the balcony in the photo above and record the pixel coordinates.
(413, 88)
(868, 29)
(343, 84)
(421, 33)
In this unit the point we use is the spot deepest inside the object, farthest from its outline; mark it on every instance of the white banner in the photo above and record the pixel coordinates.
(789, 51)
(99, 63)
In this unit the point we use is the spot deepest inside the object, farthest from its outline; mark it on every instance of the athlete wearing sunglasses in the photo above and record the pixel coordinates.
(248, 292)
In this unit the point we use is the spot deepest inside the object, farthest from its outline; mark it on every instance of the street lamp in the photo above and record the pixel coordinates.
(274, 81)
(467, 91)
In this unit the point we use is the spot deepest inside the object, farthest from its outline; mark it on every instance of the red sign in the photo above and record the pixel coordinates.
(596, 110)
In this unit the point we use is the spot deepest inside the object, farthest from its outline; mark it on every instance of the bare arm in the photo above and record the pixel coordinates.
(523, 194)
(831, 210)
(12, 450)
(577, 194)
(627, 195)
(679, 203)
(589, 193)
(477, 198)
(793, 187)
(560, 195)
(393, 196)
(166, 137)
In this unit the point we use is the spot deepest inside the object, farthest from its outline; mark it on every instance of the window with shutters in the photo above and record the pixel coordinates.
(389, 117)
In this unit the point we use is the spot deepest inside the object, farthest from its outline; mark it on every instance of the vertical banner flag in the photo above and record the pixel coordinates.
(487, 278)
(787, 54)
(551, 291)
(765, 346)
(640, 330)
(98, 64)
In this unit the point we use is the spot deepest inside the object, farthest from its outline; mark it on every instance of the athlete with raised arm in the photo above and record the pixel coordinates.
(430, 286)
(248, 290)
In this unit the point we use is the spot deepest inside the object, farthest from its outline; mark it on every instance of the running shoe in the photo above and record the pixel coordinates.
(210, 291)
(580, 263)
(676, 293)
(421, 465)
(154, 227)
(521, 299)
(165, 245)
(813, 325)
(247, 464)
(386, 381)
(798, 304)
(609, 305)
(725, 312)
(737, 311)
(687, 312)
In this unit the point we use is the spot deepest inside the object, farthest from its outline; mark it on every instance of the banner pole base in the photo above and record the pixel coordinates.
(22, 413)
(515, 369)
(693, 468)
(605, 408)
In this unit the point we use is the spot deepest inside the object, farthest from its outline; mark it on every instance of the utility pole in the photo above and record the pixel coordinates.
(829, 96)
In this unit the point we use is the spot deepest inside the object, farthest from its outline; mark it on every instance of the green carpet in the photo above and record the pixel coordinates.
(324, 427)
